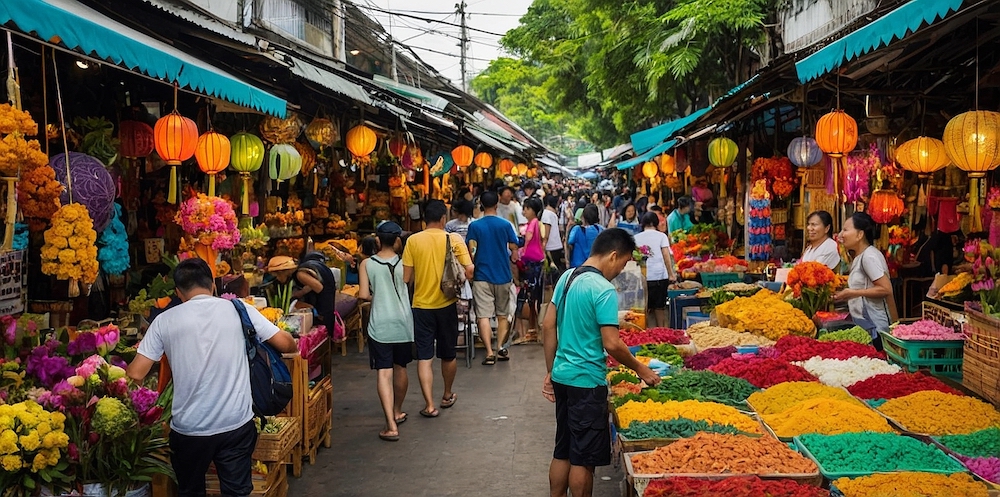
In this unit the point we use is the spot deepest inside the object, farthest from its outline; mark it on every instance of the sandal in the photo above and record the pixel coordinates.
(490, 360)
(402, 419)
(503, 354)
(430, 414)
(385, 435)
(446, 403)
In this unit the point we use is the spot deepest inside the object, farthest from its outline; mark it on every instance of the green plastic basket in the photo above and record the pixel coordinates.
(941, 357)
(715, 280)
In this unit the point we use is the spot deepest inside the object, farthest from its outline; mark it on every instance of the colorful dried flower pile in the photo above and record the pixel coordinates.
(867, 452)
(825, 416)
(891, 386)
(762, 372)
(708, 358)
(210, 221)
(710, 412)
(926, 329)
(806, 348)
(855, 334)
(812, 285)
(653, 335)
(982, 443)
(705, 336)
(937, 413)
(715, 453)
(704, 386)
(912, 484)
(784, 396)
(987, 468)
(675, 428)
(736, 486)
(765, 314)
(846, 372)
(69, 251)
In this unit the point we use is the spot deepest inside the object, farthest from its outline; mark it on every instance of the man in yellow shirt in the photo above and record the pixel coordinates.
(435, 317)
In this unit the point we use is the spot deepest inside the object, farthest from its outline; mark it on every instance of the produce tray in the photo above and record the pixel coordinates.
(790, 439)
(647, 444)
(801, 447)
(640, 481)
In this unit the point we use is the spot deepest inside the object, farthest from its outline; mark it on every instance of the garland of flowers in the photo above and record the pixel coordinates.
(759, 223)
(860, 166)
(38, 192)
(113, 254)
(16, 153)
(777, 172)
(69, 251)
(209, 221)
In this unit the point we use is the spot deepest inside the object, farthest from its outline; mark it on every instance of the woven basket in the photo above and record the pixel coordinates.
(274, 447)
(943, 316)
(981, 369)
(316, 409)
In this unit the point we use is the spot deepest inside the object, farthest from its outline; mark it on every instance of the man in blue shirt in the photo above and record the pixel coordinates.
(492, 242)
(581, 323)
(680, 219)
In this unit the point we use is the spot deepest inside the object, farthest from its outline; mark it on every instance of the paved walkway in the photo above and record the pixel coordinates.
(495, 442)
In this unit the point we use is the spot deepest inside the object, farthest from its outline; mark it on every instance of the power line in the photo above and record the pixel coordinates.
(446, 53)
(426, 19)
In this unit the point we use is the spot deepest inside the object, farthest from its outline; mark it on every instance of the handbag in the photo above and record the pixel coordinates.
(453, 278)
(270, 381)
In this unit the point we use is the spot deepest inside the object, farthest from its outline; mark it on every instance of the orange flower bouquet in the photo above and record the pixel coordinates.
(812, 285)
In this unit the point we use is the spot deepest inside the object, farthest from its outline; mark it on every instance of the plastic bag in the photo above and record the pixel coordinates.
(631, 287)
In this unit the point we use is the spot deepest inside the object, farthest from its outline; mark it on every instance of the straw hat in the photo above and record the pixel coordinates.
(280, 263)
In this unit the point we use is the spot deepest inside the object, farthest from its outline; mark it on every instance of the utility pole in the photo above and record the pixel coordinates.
(463, 42)
(339, 38)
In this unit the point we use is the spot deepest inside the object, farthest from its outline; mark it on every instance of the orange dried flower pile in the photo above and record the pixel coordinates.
(714, 453)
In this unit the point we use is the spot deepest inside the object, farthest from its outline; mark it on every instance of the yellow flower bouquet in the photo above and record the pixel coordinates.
(69, 251)
(32, 445)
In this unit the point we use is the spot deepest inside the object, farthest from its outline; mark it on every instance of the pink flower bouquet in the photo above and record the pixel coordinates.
(210, 221)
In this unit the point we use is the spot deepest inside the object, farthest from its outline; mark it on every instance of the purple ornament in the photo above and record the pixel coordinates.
(93, 186)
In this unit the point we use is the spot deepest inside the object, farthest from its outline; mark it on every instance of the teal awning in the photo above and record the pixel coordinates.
(892, 26)
(86, 31)
(646, 139)
(657, 150)
(425, 97)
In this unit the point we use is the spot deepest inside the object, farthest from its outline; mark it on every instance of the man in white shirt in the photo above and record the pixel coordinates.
(212, 406)
(510, 210)
(551, 237)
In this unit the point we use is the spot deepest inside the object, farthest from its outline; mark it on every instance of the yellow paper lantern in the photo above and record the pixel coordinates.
(522, 169)
(668, 165)
(462, 155)
(972, 142)
(361, 141)
(321, 132)
(212, 153)
(722, 152)
(483, 160)
(246, 156)
(922, 155)
(837, 133)
(649, 169)
(175, 138)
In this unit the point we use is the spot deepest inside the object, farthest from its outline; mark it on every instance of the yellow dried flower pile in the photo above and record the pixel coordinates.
(765, 314)
(69, 251)
(709, 412)
(911, 484)
(826, 417)
(705, 336)
(937, 413)
(785, 395)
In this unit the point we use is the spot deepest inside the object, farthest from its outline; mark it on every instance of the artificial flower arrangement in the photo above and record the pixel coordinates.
(860, 166)
(812, 285)
(778, 174)
(641, 254)
(69, 252)
(759, 222)
(985, 260)
(209, 221)
(254, 238)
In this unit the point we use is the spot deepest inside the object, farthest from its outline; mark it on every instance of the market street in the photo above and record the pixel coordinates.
(496, 441)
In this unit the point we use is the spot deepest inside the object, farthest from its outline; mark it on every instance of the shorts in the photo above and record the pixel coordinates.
(583, 435)
(656, 294)
(491, 300)
(385, 355)
(438, 326)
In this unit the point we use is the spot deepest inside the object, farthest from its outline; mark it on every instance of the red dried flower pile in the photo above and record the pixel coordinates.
(653, 335)
(891, 386)
(763, 373)
(736, 486)
(804, 348)
(708, 358)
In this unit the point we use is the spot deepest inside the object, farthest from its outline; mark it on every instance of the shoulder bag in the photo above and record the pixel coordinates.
(270, 381)
(453, 278)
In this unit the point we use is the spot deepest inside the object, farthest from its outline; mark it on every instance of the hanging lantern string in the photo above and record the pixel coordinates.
(62, 126)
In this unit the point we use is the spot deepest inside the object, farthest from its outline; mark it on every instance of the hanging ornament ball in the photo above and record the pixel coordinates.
(277, 130)
(213, 152)
(92, 184)
(136, 138)
(397, 146)
(284, 162)
(649, 169)
(972, 141)
(837, 133)
(246, 152)
(361, 141)
(922, 155)
(175, 138)
(483, 160)
(722, 152)
(804, 152)
(668, 165)
(321, 132)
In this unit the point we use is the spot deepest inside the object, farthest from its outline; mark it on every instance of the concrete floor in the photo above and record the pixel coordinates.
(495, 442)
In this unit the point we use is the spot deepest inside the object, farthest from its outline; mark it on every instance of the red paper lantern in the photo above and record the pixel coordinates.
(397, 146)
(136, 139)
(885, 206)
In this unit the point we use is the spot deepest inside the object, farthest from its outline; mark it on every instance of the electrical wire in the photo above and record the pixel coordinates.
(425, 19)
(446, 53)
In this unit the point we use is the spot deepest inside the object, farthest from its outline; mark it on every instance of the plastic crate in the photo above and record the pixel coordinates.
(679, 293)
(716, 280)
(695, 317)
(942, 357)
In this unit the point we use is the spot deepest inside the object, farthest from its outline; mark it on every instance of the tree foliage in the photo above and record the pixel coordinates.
(618, 66)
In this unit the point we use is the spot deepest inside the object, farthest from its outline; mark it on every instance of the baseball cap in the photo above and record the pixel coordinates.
(389, 228)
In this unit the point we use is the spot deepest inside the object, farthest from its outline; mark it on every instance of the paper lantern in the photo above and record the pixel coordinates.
(246, 156)
(175, 138)
(722, 152)
(922, 155)
(668, 165)
(308, 157)
(804, 152)
(397, 146)
(649, 169)
(462, 155)
(361, 141)
(321, 132)
(522, 169)
(885, 206)
(136, 139)
(532, 172)
(212, 154)
(837, 133)
(972, 142)
(278, 130)
(483, 160)
(284, 162)
(506, 166)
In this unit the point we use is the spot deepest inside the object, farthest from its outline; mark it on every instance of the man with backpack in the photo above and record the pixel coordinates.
(435, 315)
(212, 421)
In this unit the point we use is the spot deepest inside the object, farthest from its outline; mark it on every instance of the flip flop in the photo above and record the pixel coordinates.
(388, 438)
(402, 419)
(446, 403)
(503, 355)
(430, 414)
(490, 360)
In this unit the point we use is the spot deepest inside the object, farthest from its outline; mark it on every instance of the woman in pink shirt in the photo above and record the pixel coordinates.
(532, 257)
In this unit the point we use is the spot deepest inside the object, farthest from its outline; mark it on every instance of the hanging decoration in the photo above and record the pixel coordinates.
(722, 152)
(483, 160)
(361, 141)
(246, 156)
(321, 132)
(284, 162)
(837, 133)
(38, 193)
(885, 206)
(649, 169)
(777, 173)
(993, 202)
(462, 155)
(212, 154)
(308, 157)
(804, 152)
(113, 255)
(522, 168)
(135, 139)
(210, 225)
(92, 185)
(414, 157)
(668, 165)
(277, 130)
(759, 223)
(397, 146)
(860, 166)
(17, 157)
(506, 166)
(922, 155)
(70, 252)
(972, 142)
(175, 138)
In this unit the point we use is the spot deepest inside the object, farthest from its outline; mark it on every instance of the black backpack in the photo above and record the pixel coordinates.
(270, 381)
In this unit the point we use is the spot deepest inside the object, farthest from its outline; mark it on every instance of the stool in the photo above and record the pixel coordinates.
(354, 324)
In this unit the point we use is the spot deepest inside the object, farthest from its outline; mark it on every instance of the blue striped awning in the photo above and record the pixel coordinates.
(79, 28)
(644, 140)
(657, 150)
(893, 26)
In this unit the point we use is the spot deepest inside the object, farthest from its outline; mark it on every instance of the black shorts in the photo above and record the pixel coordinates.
(436, 325)
(656, 294)
(385, 355)
(583, 435)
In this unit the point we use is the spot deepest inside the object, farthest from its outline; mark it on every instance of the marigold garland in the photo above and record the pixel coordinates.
(69, 251)
(16, 121)
(16, 153)
(38, 192)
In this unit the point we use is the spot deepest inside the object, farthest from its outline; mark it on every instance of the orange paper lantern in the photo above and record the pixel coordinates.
(507, 166)
(462, 155)
(361, 141)
(212, 153)
(837, 133)
(922, 155)
(649, 169)
(885, 206)
(668, 165)
(483, 160)
(522, 168)
(175, 138)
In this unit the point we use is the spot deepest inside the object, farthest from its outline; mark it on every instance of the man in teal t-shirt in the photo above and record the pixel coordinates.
(580, 324)
(680, 218)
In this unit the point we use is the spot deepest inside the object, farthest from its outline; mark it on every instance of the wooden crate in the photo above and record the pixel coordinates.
(318, 422)
(284, 446)
(981, 369)
(274, 484)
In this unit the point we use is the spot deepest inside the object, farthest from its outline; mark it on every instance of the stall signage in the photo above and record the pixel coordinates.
(11, 279)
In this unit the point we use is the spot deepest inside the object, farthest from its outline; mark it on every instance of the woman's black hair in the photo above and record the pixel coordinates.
(685, 202)
(650, 219)
(591, 215)
(535, 205)
(463, 207)
(864, 223)
(621, 211)
(369, 246)
(825, 218)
